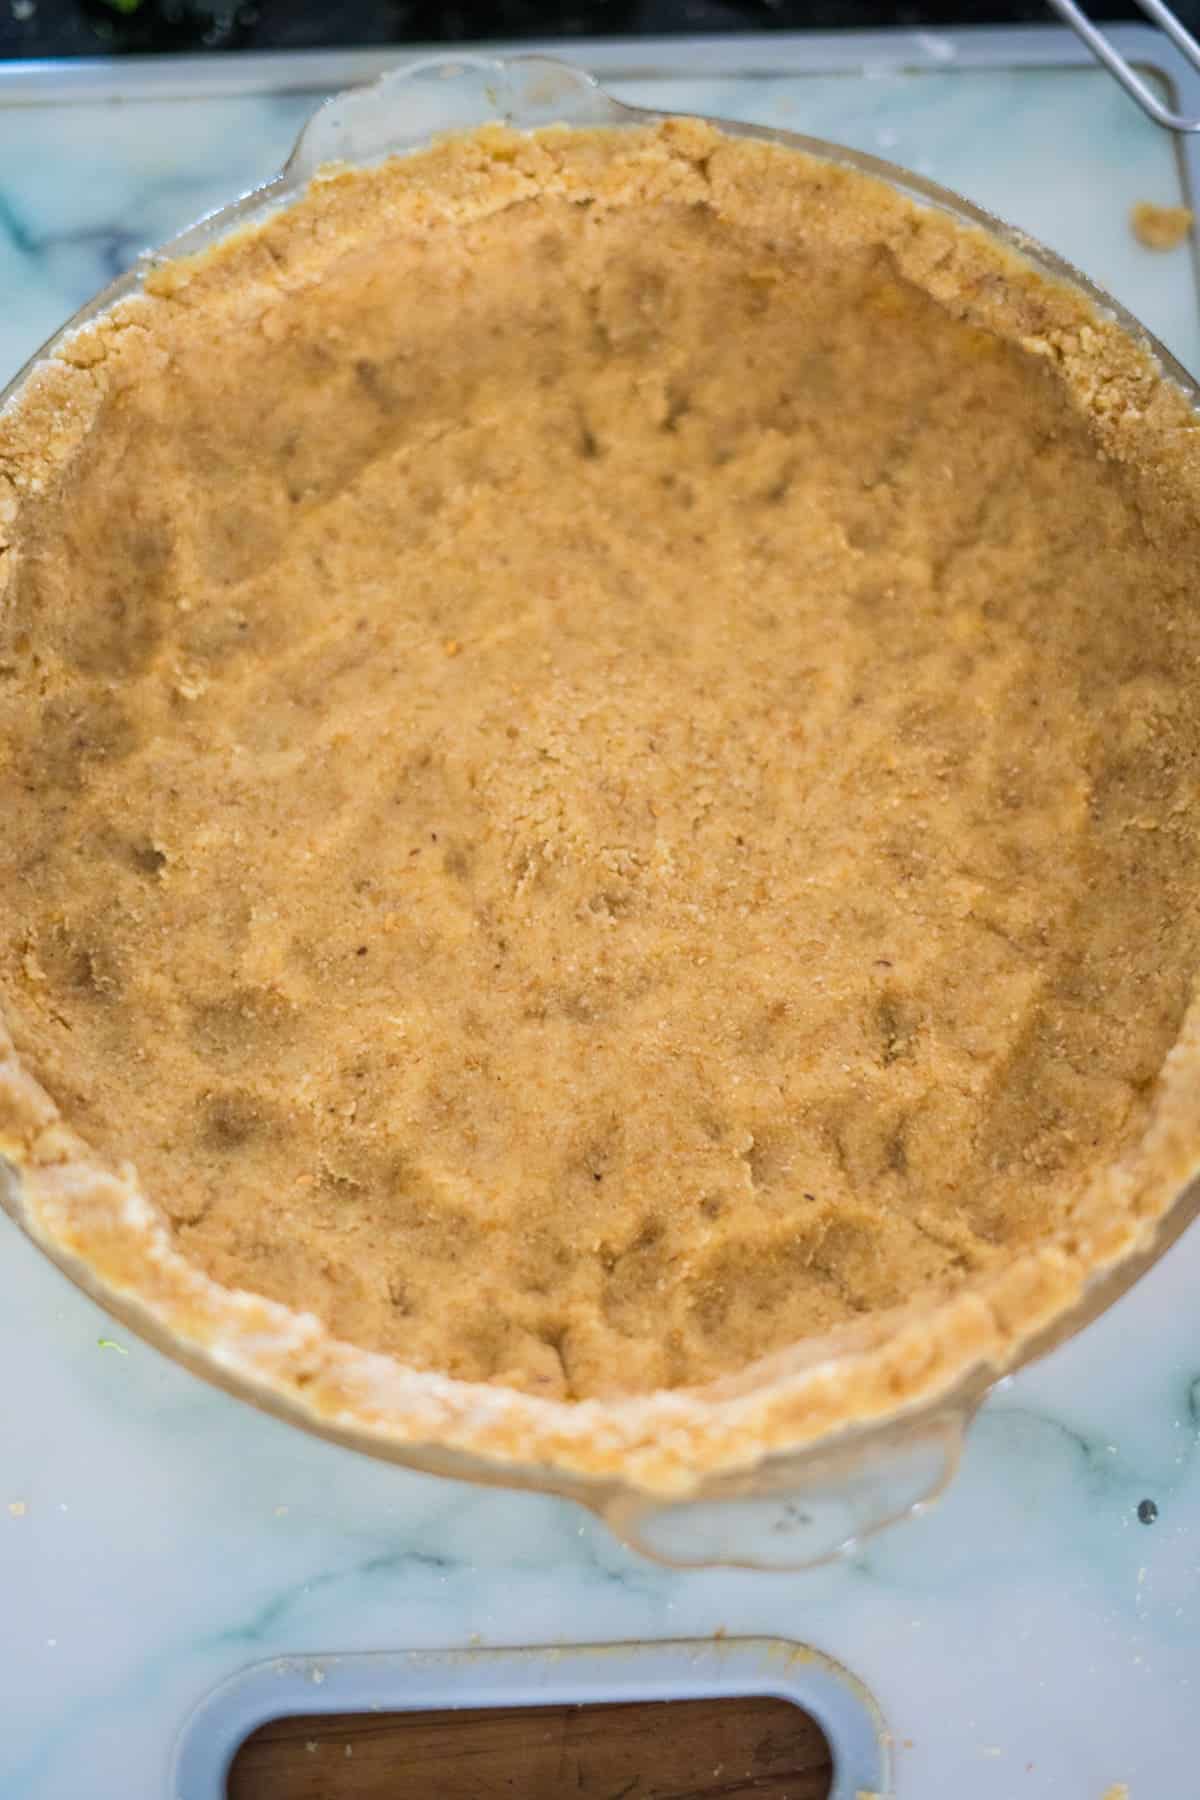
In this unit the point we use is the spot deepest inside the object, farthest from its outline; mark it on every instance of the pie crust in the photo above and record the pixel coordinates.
(600, 741)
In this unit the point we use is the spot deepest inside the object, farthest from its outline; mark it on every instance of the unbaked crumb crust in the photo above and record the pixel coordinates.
(97, 1214)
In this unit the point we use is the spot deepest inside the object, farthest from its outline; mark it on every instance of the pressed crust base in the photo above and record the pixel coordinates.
(599, 736)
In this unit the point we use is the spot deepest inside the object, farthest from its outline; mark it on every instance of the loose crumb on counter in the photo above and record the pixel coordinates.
(1160, 227)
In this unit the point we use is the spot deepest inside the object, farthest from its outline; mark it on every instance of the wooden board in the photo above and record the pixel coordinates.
(736, 1749)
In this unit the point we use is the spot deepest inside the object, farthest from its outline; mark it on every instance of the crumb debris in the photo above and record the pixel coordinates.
(1160, 227)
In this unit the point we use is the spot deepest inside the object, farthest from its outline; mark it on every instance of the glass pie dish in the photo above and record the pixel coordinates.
(771, 1504)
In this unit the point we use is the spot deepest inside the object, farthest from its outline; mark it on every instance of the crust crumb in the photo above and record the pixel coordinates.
(1160, 227)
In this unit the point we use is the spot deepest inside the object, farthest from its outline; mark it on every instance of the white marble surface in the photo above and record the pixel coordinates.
(1029, 1637)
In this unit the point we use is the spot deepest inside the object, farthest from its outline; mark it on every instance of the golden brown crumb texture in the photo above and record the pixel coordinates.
(1161, 227)
(598, 757)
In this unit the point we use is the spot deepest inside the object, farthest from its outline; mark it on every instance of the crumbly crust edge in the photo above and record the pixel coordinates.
(102, 1229)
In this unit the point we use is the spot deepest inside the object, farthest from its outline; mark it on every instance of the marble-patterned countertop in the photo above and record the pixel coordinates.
(1027, 1637)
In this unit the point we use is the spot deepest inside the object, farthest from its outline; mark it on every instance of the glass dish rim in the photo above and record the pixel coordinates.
(943, 1414)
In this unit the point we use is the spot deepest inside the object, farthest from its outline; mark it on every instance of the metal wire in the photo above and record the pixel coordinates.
(1105, 51)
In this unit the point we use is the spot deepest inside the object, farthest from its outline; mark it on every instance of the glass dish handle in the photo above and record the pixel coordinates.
(407, 106)
(799, 1510)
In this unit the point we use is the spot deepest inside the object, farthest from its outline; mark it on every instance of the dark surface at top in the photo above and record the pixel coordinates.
(50, 28)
